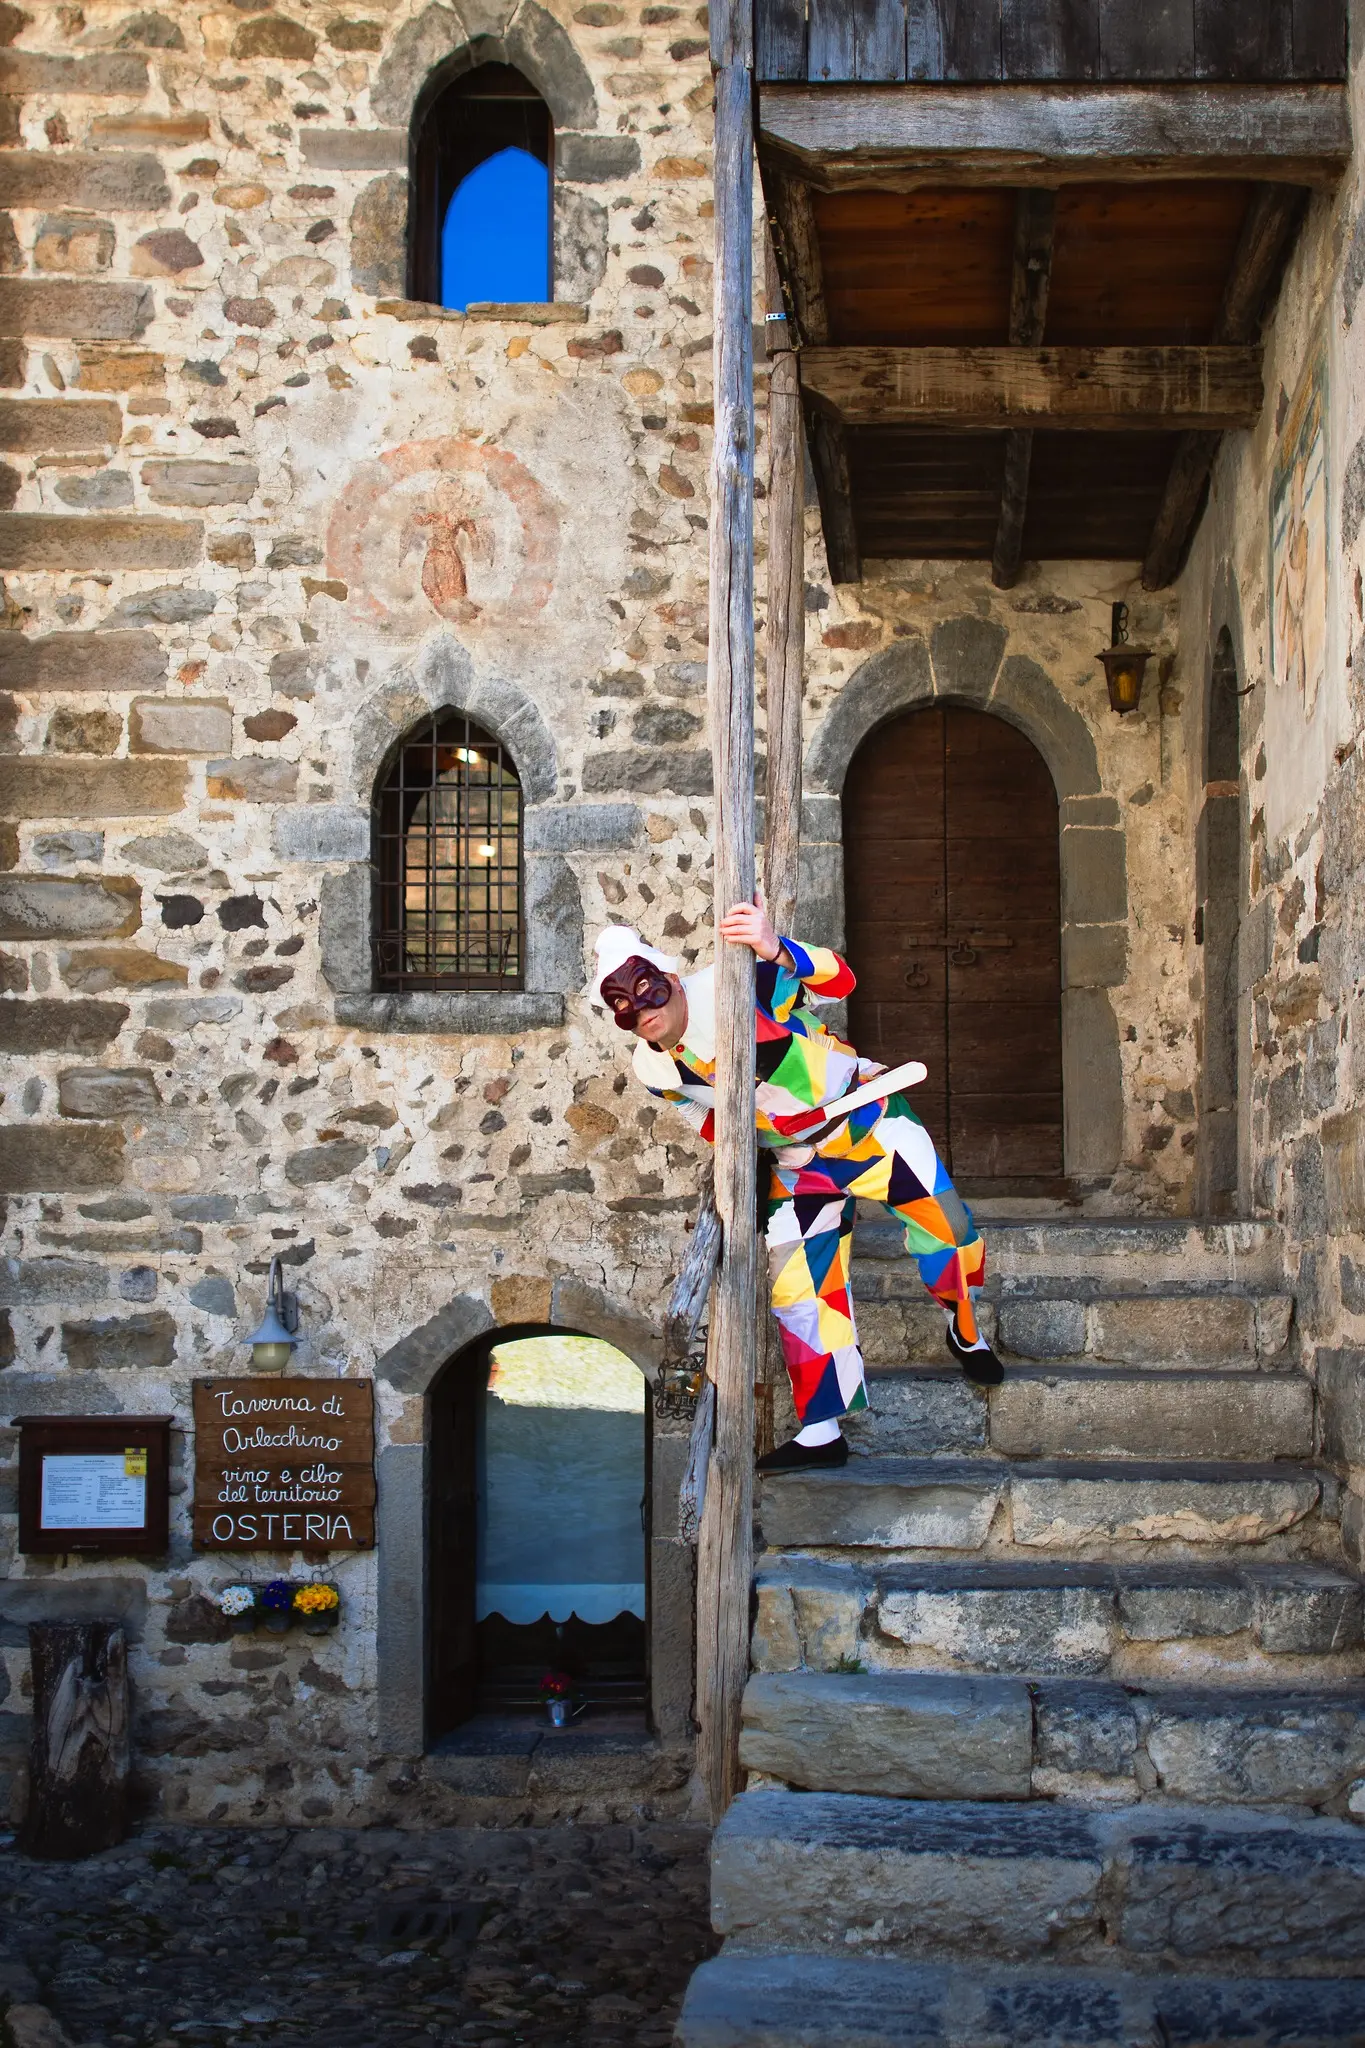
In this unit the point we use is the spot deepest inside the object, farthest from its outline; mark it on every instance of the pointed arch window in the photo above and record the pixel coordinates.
(483, 173)
(447, 825)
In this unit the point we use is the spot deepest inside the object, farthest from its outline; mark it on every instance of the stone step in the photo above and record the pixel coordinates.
(1059, 1414)
(1221, 1889)
(1125, 1251)
(1070, 1412)
(1283, 1624)
(1072, 1506)
(816, 2001)
(1068, 1321)
(920, 1735)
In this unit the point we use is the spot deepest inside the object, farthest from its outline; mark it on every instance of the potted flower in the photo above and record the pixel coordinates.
(318, 1607)
(556, 1690)
(238, 1603)
(277, 1600)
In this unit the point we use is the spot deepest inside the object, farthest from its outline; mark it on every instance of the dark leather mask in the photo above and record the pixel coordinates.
(632, 988)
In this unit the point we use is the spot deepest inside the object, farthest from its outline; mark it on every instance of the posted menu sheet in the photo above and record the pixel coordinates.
(93, 1491)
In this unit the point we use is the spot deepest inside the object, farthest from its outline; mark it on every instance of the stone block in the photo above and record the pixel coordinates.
(144, 1343)
(1093, 1107)
(57, 541)
(1041, 1329)
(65, 1597)
(172, 1013)
(59, 426)
(1084, 1729)
(1090, 810)
(50, 907)
(138, 1283)
(925, 1504)
(170, 604)
(486, 1014)
(1252, 1749)
(168, 852)
(1175, 1607)
(1041, 1623)
(47, 1024)
(255, 778)
(317, 1163)
(213, 1296)
(1094, 877)
(82, 178)
(179, 725)
(107, 1092)
(824, 1871)
(355, 149)
(595, 159)
(1222, 1414)
(1343, 1167)
(774, 1644)
(182, 481)
(1053, 1509)
(582, 828)
(378, 230)
(918, 1415)
(34, 788)
(828, 1602)
(80, 242)
(24, 72)
(53, 1158)
(1173, 1329)
(26, 1283)
(1056, 728)
(1341, 1397)
(344, 929)
(196, 1619)
(322, 832)
(149, 131)
(1094, 955)
(68, 849)
(648, 771)
(83, 729)
(966, 653)
(1233, 1886)
(1307, 1614)
(166, 252)
(71, 309)
(81, 661)
(553, 913)
(902, 1736)
(96, 969)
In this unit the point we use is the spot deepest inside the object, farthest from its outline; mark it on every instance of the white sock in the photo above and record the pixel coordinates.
(979, 1345)
(816, 1433)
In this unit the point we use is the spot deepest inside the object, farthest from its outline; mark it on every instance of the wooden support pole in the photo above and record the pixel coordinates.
(1035, 214)
(786, 633)
(725, 1552)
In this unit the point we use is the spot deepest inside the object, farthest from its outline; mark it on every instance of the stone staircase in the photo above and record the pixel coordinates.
(1057, 1714)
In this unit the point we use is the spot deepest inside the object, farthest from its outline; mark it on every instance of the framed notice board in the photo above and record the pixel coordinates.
(284, 1464)
(94, 1482)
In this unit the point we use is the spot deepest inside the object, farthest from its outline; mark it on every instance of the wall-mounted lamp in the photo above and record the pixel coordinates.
(1124, 666)
(272, 1345)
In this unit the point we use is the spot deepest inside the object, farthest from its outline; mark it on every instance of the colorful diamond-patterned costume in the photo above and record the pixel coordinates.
(881, 1153)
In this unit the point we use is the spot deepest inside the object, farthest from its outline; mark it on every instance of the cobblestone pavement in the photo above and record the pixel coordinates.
(563, 1937)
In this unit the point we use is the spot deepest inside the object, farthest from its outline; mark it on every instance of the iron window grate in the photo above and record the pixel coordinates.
(447, 852)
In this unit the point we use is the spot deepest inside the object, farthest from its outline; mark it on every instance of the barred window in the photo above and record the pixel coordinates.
(482, 212)
(447, 854)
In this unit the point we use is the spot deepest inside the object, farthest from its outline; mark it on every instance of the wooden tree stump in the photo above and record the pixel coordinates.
(78, 1789)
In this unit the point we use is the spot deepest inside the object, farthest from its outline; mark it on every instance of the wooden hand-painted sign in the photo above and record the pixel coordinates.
(283, 1464)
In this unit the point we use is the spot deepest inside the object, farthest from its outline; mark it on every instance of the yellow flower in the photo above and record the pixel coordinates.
(316, 1599)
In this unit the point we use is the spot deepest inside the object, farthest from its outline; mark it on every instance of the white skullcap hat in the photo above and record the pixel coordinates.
(614, 947)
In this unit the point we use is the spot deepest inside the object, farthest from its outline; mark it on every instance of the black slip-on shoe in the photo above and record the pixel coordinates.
(794, 1457)
(979, 1363)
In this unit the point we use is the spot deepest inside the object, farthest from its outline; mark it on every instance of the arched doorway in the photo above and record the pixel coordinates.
(953, 923)
(538, 1489)
(1218, 917)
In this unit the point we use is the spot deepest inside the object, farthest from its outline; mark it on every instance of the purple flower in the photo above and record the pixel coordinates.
(279, 1595)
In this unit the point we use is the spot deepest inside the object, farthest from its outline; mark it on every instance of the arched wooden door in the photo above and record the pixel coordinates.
(953, 920)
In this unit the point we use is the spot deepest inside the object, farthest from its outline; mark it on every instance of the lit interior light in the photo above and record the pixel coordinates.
(485, 851)
(468, 755)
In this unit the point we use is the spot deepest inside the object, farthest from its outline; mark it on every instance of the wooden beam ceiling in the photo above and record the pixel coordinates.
(903, 137)
(1109, 390)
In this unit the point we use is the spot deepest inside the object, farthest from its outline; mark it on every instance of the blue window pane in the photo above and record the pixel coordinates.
(496, 240)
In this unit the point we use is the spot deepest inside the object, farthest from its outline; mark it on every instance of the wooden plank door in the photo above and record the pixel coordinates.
(953, 892)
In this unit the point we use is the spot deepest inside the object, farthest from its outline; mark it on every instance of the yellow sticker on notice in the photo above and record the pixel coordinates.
(135, 1464)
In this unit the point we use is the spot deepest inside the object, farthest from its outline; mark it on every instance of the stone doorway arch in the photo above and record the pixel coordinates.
(964, 661)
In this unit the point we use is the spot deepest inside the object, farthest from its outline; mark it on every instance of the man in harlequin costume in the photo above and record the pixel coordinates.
(877, 1152)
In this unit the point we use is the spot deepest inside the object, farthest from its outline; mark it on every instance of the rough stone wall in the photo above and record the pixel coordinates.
(259, 513)
(1301, 1095)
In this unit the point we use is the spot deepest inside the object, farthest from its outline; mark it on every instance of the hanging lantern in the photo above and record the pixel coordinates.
(272, 1345)
(1124, 666)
